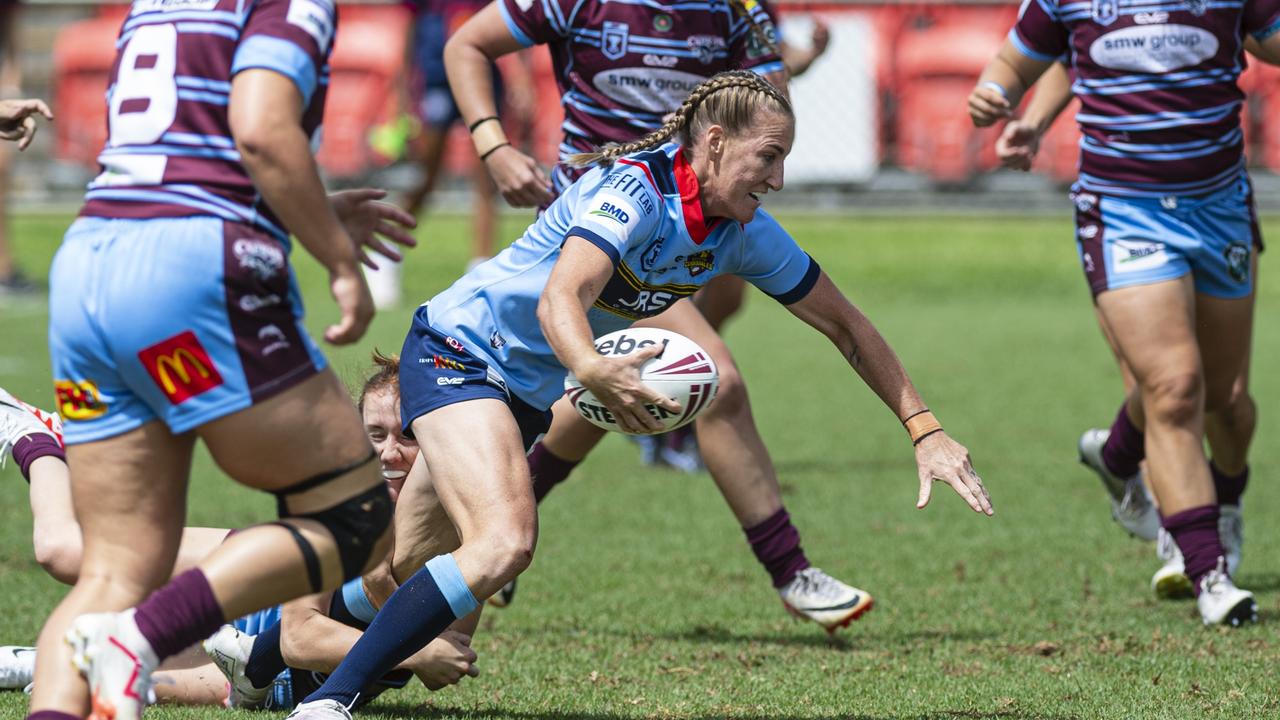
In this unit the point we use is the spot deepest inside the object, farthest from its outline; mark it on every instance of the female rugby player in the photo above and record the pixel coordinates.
(505, 335)
(1166, 228)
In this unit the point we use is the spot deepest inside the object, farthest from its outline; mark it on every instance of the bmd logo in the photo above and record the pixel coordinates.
(613, 212)
(180, 367)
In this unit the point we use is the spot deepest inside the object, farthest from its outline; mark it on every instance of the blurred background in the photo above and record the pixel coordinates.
(882, 113)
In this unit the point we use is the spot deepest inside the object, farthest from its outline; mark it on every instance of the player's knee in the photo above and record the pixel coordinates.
(731, 398)
(59, 554)
(1174, 398)
(512, 548)
(1237, 415)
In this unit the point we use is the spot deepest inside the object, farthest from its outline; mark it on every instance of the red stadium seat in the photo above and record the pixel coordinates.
(1059, 155)
(368, 55)
(936, 68)
(82, 57)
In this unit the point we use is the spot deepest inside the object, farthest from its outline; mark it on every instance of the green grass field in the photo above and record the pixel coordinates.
(645, 602)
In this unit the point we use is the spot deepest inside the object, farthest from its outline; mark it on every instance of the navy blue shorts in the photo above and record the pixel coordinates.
(438, 370)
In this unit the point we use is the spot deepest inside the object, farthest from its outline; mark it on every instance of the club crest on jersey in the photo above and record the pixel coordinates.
(613, 41)
(1196, 7)
(705, 46)
(700, 262)
(1105, 12)
(650, 256)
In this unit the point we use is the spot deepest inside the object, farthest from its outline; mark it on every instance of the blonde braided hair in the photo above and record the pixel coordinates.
(729, 99)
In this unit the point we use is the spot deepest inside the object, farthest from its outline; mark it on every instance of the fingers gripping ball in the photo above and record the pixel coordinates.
(683, 372)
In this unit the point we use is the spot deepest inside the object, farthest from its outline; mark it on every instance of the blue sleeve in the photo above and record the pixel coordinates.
(772, 261)
(291, 37)
(624, 210)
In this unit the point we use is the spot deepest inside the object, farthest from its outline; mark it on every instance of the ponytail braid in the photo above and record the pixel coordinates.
(746, 93)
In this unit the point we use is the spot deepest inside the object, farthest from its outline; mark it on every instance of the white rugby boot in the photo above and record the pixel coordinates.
(1170, 581)
(1231, 532)
(19, 420)
(17, 666)
(229, 650)
(320, 710)
(815, 595)
(1222, 603)
(117, 662)
(1131, 504)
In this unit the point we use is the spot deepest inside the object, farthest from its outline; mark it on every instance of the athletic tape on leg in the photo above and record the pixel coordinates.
(444, 570)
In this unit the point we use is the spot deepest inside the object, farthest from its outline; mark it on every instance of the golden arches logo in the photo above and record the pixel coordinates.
(177, 362)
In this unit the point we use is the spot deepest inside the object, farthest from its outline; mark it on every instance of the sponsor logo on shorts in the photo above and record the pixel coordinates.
(700, 262)
(1084, 201)
(263, 258)
(1237, 257)
(1135, 255)
(78, 400)
(1169, 202)
(180, 367)
(453, 343)
(450, 380)
(1088, 232)
(274, 337)
(441, 361)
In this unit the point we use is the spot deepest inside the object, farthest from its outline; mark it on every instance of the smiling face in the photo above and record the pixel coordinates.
(736, 169)
(396, 452)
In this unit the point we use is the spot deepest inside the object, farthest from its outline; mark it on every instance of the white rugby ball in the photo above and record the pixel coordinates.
(683, 372)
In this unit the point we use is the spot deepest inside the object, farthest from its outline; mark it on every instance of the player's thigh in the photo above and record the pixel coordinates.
(423, 529)
(1153, 326)
(130, 495)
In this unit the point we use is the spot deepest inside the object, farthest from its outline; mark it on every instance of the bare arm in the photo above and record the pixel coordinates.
(1002, 84)
(264, 115)
(798, 60)
(18, 120)
(1020, 140)
(576, 281)
(939, 457)
(1268, 50)
(468, 59)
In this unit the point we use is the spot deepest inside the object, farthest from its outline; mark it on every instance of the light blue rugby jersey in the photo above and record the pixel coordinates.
(661, 251)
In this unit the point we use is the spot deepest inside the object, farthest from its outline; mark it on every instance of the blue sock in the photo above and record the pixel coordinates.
(414, 615)
(265, 661)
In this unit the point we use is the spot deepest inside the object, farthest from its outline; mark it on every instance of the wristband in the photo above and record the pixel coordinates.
(993, 85)
(472, 127)
(494, 149)
(921, 425)
(488, 137)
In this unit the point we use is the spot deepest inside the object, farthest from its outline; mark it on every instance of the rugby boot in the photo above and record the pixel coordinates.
(815, 595)
(19, 420)
(1131, 504)
(1222, 603)
(116, 660)
(17, 666)
(229, 649)
(505, 595)
(1231, 532)
(1170, 581)
(320, 710)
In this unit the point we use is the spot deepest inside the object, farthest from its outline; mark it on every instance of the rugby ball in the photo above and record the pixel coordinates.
(683, 372)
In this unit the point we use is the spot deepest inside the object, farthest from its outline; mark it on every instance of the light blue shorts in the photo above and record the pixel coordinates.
(179, 319)
(1127, 241)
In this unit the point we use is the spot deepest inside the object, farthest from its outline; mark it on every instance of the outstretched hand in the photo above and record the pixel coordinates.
(369, 221)
(18, 120)
(938, 457)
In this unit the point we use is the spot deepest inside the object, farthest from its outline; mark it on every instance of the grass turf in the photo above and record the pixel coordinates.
(644, 600)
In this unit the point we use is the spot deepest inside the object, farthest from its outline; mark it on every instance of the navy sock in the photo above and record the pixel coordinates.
(414, 615)
(265, 661)
(1229, 487)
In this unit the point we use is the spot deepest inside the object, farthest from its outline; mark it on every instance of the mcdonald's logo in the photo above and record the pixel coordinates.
(180, 367)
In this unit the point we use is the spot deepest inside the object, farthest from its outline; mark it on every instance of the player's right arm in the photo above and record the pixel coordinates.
(468, 59)
(1020, 140)
(276, 71)
(1035, 42)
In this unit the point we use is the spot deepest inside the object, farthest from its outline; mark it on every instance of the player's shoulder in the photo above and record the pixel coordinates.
(655, 166)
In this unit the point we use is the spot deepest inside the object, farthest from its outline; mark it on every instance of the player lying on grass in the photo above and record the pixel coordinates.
(737, 36)
(484, 360)
(295, 644)
(1167, 235)
(1115, 454)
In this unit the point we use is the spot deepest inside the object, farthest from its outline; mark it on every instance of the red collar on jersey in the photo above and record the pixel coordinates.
(690, 200)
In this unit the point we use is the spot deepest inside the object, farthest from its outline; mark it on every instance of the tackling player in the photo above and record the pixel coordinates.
(174, 316)
(1166, 230)
(691, 187)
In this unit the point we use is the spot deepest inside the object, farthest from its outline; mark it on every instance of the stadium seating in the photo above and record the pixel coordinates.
(82, 56)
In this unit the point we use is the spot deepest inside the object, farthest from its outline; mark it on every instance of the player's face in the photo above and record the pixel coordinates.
(396, 452)
(749, 164)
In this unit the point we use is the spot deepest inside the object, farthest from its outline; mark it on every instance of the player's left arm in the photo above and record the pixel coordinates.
(938, 457)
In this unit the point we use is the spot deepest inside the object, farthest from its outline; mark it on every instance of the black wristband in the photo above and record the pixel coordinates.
(922, 437)
(472, 127)
(920, 412)
(494, 149)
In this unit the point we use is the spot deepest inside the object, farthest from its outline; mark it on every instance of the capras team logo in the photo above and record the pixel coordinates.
(263, 258)
(180, 367)
(700, 262)
(613, 41)
(613, 212)
(78, 400)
